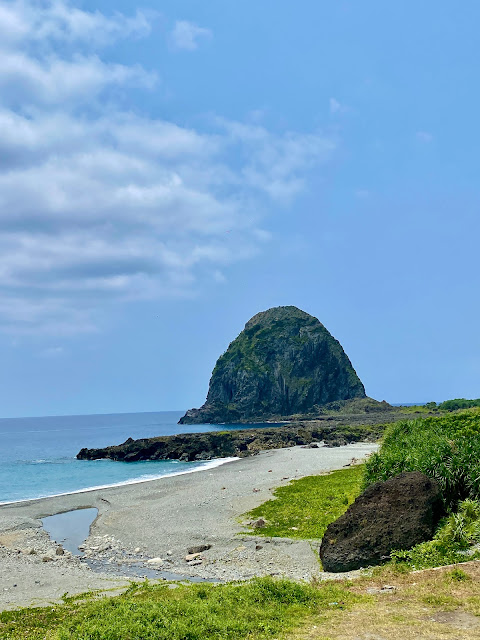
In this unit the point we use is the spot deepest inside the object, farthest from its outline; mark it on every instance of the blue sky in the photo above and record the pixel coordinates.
(168, 170)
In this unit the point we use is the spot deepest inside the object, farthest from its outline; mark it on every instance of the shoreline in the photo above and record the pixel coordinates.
(155, 522)
(208, 464)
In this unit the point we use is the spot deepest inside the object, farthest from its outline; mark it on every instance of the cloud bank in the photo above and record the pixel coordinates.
(100, 206)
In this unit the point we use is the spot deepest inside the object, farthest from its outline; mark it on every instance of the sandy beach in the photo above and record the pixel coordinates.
(153, 524)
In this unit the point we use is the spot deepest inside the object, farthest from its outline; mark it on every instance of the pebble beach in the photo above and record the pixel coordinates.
(155, 526)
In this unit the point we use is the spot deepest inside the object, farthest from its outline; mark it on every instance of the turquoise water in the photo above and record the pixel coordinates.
(37, 455)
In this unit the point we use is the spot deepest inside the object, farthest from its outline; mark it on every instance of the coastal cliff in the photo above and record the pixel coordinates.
(284, 362)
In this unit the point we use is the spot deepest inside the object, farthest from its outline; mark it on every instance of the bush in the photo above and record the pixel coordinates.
(452, 542)
(459, 403)
(445, 448)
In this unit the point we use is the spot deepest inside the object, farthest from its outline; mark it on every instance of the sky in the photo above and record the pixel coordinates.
(169, 169)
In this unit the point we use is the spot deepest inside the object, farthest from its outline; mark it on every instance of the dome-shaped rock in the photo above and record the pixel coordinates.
(284, 362)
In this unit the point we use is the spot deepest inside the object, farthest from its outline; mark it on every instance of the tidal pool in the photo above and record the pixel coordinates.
(70, 529)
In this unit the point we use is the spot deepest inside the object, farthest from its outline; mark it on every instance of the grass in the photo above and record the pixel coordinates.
(446, 448)
(304, 508)
(443, 604)
(453, 540)
(418, 408)
(262, 608)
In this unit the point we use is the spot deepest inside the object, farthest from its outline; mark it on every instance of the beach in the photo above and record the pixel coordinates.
(153, 525)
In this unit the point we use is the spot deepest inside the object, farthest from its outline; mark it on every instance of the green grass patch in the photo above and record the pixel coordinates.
(419, 408)
(304, 508)
(261, 608)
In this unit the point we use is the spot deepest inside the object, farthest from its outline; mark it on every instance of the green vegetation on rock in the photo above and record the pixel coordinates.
(304, 508)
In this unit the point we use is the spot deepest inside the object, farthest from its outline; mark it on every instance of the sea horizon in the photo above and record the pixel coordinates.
(38, 454)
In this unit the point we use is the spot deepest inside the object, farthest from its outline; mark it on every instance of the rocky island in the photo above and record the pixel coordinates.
(284, 367)
(284, 362)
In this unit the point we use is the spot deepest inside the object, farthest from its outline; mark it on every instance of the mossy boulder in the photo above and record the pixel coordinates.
(284, 362)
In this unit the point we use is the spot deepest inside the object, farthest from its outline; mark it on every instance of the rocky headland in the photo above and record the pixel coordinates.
(332, 429)
(284, 362)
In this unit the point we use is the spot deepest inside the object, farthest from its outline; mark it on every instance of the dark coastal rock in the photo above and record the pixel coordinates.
(284, 362)
(189, 447)
(396, 514)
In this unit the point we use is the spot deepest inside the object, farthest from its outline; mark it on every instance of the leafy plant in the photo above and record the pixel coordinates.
(459, 403)
(452, 543)
(446, 448)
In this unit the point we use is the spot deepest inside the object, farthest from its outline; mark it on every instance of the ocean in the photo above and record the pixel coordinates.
(37, 455)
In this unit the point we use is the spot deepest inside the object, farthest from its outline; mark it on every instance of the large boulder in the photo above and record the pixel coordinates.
(396, 514)
(284, 362)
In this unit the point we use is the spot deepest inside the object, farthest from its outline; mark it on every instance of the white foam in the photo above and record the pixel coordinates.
(211, 464)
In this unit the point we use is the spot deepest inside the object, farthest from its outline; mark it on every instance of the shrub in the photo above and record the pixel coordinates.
(446, 448)
(459, 403)
(452, 542)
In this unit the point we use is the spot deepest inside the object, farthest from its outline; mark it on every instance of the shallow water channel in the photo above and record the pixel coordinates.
(72, 528)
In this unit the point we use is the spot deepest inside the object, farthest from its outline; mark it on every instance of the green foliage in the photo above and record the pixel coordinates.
(304, 508)
(419, 408)
(457, 575)
(446, 448)
(459, 403)
(452, 543)
(262, 608)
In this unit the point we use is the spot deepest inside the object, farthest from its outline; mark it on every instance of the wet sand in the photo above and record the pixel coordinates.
(153, 524)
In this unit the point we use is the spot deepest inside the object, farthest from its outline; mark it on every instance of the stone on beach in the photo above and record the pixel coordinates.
(259, 524)
(199, 548)
(396, 514)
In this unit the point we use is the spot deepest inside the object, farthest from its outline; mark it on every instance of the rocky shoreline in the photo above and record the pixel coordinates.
(191, 447)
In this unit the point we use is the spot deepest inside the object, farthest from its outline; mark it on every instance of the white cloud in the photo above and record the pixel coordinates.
(337, 107)
(277, 164)
(362, 193)
(52, 352)
(186, 35)
(99, 206)
(54, 21)
(24, 79)
(424, 136)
